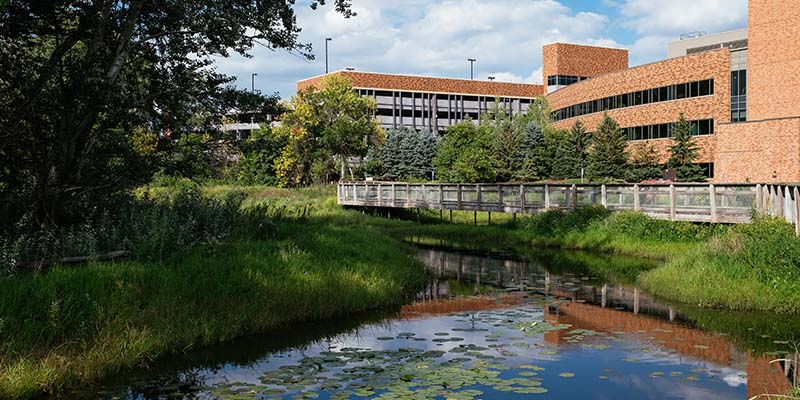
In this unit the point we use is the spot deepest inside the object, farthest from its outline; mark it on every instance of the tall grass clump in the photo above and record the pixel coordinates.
(752, 266)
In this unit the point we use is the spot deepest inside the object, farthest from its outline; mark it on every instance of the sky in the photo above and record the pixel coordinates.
(435, 38)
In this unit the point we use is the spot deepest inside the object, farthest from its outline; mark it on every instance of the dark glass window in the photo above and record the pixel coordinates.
(680, 91)
(705, 88)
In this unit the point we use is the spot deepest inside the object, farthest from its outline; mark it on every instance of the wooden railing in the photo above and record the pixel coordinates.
(720, 203)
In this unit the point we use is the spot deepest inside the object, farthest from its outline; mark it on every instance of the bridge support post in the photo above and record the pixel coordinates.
(451, 216)
(475, 218)
(490, 217)
(712, 197)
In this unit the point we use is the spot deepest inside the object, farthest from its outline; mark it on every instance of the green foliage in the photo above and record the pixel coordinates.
(533, 154)
(643, 163)
(257, 163)
(325, 128)
(638, 225)
(608, 158)
(407, 153)
(684, 152)
(573, 156)
(752, 267)
(559, 222)
(465, 154)
(80, 79)
(506, 156)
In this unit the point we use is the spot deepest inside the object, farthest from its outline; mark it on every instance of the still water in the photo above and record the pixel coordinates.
(491, 325)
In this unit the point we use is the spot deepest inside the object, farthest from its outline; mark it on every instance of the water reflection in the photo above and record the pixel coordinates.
(493, 326)
(589, 301)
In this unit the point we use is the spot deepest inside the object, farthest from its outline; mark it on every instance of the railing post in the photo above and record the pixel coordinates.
(604, 195)
(712, 196)
(573, 196)
(338, 193)
(380, 195)
(637, 202)
(500, 197)
(441, 197)
(522, 198)
(408, 196)
(796, 211)
(672, 202)
(787, 206)
(458, 196)
(394, 195)
(424, 197)
(759, 199)
(478, 195)
(546, 197)
(355, 193)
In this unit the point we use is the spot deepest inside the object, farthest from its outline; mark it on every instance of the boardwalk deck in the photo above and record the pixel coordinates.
(721, 203)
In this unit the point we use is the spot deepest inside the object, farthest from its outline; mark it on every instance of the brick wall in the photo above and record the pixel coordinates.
(755, 151)
(365, 80)
(715, 64)
(579, 60)
(774, 59)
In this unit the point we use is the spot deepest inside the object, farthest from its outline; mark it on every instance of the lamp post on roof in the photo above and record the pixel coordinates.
(253, 82)
(471, 68)
(491, 78)
(327, 39)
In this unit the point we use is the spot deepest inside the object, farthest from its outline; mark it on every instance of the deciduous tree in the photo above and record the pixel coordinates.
(465, 154)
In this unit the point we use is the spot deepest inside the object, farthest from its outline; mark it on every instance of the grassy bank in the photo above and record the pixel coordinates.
(258, 258)
(72, 325)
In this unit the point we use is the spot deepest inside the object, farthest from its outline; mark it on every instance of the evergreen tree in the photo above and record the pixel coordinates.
(574, 155)
(608, 158)
(684, 152)
(505, 154)
(533, 154)
(407, 153)
(643, 163)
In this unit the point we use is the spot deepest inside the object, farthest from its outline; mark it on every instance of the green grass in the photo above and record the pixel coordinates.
(751, 267)
(71, 326)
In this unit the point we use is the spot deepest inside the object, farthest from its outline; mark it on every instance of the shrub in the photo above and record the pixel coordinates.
(638, 225)
(558, 222)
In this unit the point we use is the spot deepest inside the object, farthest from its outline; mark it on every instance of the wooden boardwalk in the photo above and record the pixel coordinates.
(721, 203)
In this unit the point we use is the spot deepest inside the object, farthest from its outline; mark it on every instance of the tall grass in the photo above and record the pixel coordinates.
(76, 325)
(752, 266)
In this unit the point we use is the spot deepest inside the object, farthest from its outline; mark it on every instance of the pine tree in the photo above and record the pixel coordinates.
(643, 163)
(684, 152)
(505, 154)
(608, 158)
(574, 154)
(532, 154)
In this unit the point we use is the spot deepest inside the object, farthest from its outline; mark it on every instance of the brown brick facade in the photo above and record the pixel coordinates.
(774, 59)
(714, 65)
(366, 80)
(759, 151)
(578, 60)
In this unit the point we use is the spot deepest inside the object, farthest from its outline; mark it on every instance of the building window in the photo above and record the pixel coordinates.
(701, 127)
(739, 96)
(564, 80)
(656, 95)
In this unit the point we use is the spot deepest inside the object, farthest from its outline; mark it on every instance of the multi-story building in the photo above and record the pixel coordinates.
(420, 102)
(740, 90)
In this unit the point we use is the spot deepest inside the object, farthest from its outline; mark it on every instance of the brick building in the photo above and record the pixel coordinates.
(740, 90)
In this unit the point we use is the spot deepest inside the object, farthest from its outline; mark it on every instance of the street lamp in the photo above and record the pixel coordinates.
(253, 82)
(471, 69)
(327, 39)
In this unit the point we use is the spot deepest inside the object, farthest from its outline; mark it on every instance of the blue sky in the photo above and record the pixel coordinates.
(428, 37)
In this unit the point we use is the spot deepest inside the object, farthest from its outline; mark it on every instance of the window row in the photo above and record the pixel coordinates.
(564, 80)
(665, 131)
(664, 93)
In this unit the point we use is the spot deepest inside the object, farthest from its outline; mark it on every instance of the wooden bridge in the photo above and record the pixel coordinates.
(716, 203)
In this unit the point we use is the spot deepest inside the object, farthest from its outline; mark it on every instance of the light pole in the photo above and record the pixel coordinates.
(253, 82)
(327, 39)
(471, 69)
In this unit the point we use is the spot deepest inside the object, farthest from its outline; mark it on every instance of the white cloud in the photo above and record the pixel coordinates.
(427, 37)
(658, 22)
